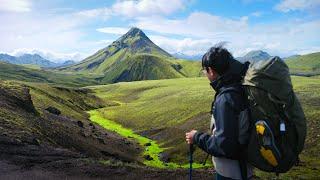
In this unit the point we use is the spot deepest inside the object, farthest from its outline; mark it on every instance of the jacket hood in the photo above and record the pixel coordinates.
(234, 75)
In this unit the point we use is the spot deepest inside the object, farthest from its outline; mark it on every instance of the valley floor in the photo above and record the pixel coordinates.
(46, 131)
(82, 169)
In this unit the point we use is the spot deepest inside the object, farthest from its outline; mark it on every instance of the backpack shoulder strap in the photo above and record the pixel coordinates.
(222, 91)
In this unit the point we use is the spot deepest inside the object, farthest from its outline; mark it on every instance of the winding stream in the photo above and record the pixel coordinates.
(152, 151)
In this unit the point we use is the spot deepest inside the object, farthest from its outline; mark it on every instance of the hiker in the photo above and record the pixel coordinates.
(229, 124)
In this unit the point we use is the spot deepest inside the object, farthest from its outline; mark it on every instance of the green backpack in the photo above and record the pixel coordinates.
(278, 124)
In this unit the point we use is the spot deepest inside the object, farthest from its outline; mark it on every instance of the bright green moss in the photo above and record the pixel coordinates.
(153, 150)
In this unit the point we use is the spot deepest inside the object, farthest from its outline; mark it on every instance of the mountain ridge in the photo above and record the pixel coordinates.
(180, 55)
(132, 57)
(254, 56)
(32, 59)
(308, 64)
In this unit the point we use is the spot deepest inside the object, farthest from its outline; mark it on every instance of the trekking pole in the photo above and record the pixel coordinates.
(190, 160)
(205, 160)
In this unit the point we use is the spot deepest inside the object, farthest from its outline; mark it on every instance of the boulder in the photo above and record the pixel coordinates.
(53, 110)
(80, 124)
(147, 157)
(147, 144)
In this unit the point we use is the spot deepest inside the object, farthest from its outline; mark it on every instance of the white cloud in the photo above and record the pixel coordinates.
(197, 24)
(308, 50)
(188, 46)
(279, 38)
(292, 5)
(104, 42)
(57, 33)
(135, 8)
(105, 13)
(194, 34)
(113, 30)
(201, 30)
(15, 5)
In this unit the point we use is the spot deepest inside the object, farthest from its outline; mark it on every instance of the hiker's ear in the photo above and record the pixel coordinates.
(211, 72)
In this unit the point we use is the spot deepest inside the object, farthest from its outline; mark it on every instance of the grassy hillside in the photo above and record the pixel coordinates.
(149, 67)
(134, 57)
(131, 68)
(164, 110)
(133, 42)
(45, 125)
(305, 64)
(32, 66)
(21, 73)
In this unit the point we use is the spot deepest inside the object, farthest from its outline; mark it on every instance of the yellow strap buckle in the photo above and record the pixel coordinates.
(260, 129)
(269, 156)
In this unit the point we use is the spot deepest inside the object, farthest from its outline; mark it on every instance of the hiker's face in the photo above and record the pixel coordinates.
(211, 74)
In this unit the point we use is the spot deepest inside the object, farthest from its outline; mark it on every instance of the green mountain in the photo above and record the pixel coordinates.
(305, 64)
(134, 57)
(254, 56)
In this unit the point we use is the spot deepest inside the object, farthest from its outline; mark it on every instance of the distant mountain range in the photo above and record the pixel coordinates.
(134, 57)
(256, 55)
(180, 55)
(307, 65)
(290, 57)
(32, 59)
(66, 63)
(253, 56)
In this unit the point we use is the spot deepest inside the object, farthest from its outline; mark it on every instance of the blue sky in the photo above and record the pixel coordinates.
(74, 29)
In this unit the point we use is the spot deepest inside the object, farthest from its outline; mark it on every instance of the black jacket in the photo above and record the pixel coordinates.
(229, 101)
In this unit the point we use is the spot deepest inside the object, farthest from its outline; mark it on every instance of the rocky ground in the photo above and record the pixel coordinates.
(84, 169)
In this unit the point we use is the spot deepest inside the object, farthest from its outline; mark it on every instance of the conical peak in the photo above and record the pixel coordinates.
(133, 37)
(136, 42)
(135, 32)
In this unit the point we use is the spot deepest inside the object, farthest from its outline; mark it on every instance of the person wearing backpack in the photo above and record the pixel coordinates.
(229, 124)
(256, 117)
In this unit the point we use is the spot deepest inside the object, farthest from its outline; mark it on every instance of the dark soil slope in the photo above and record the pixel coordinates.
(45, 134)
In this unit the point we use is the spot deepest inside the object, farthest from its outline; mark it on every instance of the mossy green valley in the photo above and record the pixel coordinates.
(122, 113)
(152, 149)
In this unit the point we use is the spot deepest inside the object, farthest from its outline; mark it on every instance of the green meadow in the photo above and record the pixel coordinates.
(163, 110)
(156, 104)
(159, 112)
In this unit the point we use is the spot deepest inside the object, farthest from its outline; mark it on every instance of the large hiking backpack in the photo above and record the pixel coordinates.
(278, 124)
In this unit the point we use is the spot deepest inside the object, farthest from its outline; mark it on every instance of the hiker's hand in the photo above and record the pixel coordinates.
(189, 136)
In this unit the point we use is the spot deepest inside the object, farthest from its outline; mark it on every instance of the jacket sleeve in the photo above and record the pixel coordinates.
(224, 141)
